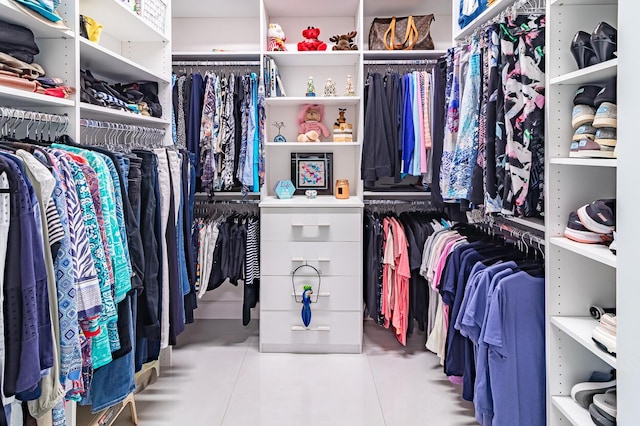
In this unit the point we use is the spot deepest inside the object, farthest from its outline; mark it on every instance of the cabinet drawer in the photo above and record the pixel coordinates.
(328, 332)
(311, 225)
(336, 293)
(281, 258)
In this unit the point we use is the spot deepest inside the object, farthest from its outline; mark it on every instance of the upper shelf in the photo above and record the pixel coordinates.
(403, 54)
(21, 98)
(217, 56)
(326, 8)
(593, 162)
(485, 16)
(324, 100)
(97, 112)
(121, 22)
(596, 252)
(320, 201)
(315, 59)
(12, 13)
(580, 329)
(113, 66)
(593, 74)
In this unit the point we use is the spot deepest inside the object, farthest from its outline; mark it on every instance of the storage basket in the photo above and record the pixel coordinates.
(154, 12)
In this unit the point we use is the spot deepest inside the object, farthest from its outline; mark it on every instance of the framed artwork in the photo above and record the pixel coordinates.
(312, 171)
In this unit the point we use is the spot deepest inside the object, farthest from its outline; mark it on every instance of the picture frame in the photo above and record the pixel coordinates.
(312, 171)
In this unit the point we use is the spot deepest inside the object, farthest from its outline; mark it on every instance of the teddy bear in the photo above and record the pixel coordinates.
(310, 126)
(344, 41)
(276, 38)
(311, 41)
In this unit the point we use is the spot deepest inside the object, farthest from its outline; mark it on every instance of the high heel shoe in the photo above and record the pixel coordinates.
(604, 41)
(582, 50)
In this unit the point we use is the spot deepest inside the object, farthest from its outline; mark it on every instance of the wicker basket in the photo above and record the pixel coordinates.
(154, 12)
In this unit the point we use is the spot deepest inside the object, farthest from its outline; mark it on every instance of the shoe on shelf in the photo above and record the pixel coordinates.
(599, 418)
(614, 246)
(574, 150)
(586, 131)
(599, 216)
(586, 95)
(582, 114)
(588, 148)
(604, 41)
(577, 232)
(582, 50)
(583, 393)
(608, 93)
(606, 115)
(604, 335)
(607, 403)
(606, 136)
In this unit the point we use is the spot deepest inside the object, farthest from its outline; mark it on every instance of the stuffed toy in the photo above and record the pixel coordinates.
(276, 38)
(345, 41)
(311, 41)
(310, 126)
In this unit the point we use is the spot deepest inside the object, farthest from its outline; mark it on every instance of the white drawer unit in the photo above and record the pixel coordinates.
(329, 240)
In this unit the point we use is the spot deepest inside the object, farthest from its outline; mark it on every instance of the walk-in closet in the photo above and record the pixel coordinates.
(340, 213)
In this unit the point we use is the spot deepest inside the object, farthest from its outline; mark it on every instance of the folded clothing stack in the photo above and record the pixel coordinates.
(17, 67)
(139, 98)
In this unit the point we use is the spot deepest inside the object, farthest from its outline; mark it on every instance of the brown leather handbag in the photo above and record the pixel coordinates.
(403, 33)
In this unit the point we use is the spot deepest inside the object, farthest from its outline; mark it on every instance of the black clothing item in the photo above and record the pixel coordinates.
(135, 182)
(176, 298)
(148, 323)
(372, 273)
(394, 97)
(376, 149)
(194, 118)
(18, 41)
(437, 129)
(190, 299)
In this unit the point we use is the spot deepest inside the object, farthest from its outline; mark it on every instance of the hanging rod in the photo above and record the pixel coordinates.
(215, 63)
(401, 62)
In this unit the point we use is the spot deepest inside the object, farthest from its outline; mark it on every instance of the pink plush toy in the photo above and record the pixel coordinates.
(310, 125)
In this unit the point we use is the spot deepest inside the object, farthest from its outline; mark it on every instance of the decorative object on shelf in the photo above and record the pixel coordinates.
(311, 87)
(311, 193)
(310, 125)
(307, 291)
(284, 189)
(279, 137)
(311, 42)
(90, 29)
(330, 88)
(387, 33)
(342, 189)
(276, 38)
(342, 131)
(597, 312)
(350, 90)
(312, 171)
(344, 41)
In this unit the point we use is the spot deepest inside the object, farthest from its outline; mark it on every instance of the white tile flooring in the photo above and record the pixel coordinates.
(219, 377)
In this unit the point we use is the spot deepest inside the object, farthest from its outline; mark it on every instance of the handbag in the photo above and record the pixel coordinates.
(403, 33)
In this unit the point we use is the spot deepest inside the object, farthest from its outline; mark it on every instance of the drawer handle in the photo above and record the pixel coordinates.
(302, 225)
(303, 260)
(319, 328)
(319, 294)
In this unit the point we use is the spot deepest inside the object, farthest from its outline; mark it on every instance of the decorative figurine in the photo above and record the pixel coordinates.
(342, 131)
(311, 42)
(310, 125)
(329, 88)
(344, 41)
(276, 38)
(279, 137)
(311, 87)
(350, 90)
(306, 305)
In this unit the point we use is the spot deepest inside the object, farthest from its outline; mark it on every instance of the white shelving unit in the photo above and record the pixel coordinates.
(579, 275)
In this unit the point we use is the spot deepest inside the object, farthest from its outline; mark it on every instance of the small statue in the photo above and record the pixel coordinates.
(350, 89)
(329, 88)
(342, 131)
(279, 137)
(311, 87)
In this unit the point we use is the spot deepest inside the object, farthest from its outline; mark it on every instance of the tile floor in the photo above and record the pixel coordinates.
(219, 377)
